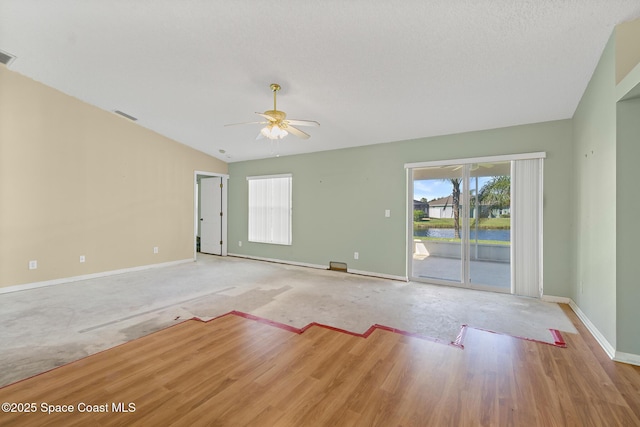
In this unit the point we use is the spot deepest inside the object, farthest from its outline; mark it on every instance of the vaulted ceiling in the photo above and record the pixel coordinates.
(370, 71)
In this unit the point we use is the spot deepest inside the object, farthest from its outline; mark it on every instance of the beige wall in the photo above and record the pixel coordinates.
(76, 180)
(627, 48)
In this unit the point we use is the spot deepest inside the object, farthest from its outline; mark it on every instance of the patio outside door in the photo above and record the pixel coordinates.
(461, 227)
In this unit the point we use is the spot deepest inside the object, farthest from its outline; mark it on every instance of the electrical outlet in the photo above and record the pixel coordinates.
(387, 213)
(33, 264)
(356, 255)
(82, 259)
(239, 242)
(155, 249)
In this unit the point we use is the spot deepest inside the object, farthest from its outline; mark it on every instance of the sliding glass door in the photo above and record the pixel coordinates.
(461, 233)
(438, 249)
(490, 225)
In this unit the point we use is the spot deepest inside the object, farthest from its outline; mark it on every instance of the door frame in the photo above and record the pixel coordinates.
(225, 186)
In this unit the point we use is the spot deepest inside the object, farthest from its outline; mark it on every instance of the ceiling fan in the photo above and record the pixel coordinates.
(277, 124)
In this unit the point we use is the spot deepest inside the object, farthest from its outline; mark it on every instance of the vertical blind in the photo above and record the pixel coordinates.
(270, 209)
(526, 227)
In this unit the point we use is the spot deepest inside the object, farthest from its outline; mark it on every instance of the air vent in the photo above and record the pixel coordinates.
(338, 266)
(125, 115)
(6, 58)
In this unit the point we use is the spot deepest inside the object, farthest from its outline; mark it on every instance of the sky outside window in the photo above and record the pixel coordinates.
(436, 188)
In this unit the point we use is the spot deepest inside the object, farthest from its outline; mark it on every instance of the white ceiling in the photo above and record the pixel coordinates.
(370, 71)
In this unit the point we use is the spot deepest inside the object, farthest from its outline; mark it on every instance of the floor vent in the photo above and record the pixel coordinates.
(125, 115)
(6, 58)
(338, 266)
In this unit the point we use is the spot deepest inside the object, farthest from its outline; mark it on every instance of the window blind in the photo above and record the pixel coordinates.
(270, 209)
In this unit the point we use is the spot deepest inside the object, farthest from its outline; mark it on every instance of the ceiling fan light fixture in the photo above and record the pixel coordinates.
(279, 132)
(273, 131)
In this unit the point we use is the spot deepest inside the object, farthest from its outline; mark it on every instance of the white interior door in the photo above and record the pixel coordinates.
(211, 215)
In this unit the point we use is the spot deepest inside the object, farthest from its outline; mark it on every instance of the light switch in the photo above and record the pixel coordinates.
(387, 213)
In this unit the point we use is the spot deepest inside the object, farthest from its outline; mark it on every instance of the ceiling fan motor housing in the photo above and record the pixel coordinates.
(276, 114)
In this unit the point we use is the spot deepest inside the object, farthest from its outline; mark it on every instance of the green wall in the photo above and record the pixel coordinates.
(605, 233)
(339, 198)
(594, 243)
(590, 203)
(628, 235)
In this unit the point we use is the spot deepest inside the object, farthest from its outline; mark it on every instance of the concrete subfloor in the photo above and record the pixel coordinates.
(46, 327)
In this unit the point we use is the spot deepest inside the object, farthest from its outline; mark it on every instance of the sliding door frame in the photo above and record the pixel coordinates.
(465, 262)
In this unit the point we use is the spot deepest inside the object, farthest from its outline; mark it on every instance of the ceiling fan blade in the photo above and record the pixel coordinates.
(297, 132)
(246, 123)
(268, 117)
(303, 122)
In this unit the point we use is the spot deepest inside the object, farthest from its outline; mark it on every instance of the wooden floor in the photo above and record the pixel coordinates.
(235, 371)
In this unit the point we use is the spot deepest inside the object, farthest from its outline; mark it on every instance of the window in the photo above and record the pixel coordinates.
(270, 209)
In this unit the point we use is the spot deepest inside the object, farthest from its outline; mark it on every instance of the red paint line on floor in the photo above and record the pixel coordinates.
(460, 338)
(458, 342)
(557, 337)
(293, 329)
(412, 335)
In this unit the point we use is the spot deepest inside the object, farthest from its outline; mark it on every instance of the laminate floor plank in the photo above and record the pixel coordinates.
(234, 371)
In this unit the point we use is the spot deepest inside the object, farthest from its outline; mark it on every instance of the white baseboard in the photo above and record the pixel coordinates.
(632, 359)
(618, 356)
(34, 285)
(606, 346)
(381, 275)
(280, 261)
(321, 267)
(558, 300)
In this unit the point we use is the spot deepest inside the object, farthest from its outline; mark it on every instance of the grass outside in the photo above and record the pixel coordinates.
(483, 224)
(444, 239)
